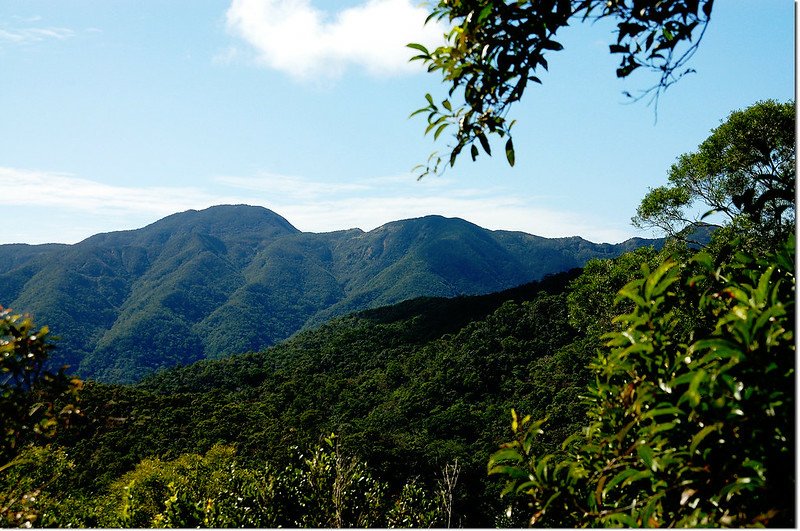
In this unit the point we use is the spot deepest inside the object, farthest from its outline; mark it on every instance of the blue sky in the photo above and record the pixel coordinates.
(115, 114)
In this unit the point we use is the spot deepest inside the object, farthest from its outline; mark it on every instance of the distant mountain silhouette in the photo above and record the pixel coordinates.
(230, 279)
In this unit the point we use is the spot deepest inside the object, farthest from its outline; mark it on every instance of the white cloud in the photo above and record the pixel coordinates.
(293, 36)
(35, 188)
(319, 206)
(32, 35)
(491, 212)
(50, 206)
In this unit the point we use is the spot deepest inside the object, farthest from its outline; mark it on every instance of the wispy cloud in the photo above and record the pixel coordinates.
(492, 212)
(29, 35)
(50, 189)
(294, 37)
(43, 200)
(320, 206)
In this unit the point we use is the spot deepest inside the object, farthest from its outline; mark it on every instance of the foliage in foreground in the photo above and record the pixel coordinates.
(493, 50)
(318, 488)
(688, 425)
(410, 400)
(28, 393)
(34, 404)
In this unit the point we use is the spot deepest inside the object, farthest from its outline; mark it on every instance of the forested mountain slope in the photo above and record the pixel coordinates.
(204, 284)
(409, 388)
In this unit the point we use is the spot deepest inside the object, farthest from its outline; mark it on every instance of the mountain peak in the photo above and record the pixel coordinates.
(224, 217)
(222, 221)
(430, 222)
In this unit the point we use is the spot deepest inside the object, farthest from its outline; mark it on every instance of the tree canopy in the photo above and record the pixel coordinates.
(410, 389)
(745, 171)
(496, 48)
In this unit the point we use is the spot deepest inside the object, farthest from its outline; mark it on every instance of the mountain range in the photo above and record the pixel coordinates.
(237, 278)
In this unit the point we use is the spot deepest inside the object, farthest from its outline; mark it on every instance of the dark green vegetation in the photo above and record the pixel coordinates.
(691, 417)
(232, 279)
(409, 389)
(691, 411)
(416, 388)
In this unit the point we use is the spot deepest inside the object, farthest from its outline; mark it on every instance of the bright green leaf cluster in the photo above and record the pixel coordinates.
(34, 404)
(687, 426)
(320, 488)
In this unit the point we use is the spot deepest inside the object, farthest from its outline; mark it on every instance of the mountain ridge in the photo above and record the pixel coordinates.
(234, 278)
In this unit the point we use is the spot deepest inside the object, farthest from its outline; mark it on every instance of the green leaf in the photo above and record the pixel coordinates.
(699, 436)
(439, 130)
(419, 47)
(762, 293)
(692, 394)
(654, 285)
(619, 478)
(720, 349)
(646, 455)
(510, 152)
(504, 456)
(650, 509)
(485, 12)
(659, 411)
(665, 426)
(622, 518)
(704, 259)
(485, 143)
